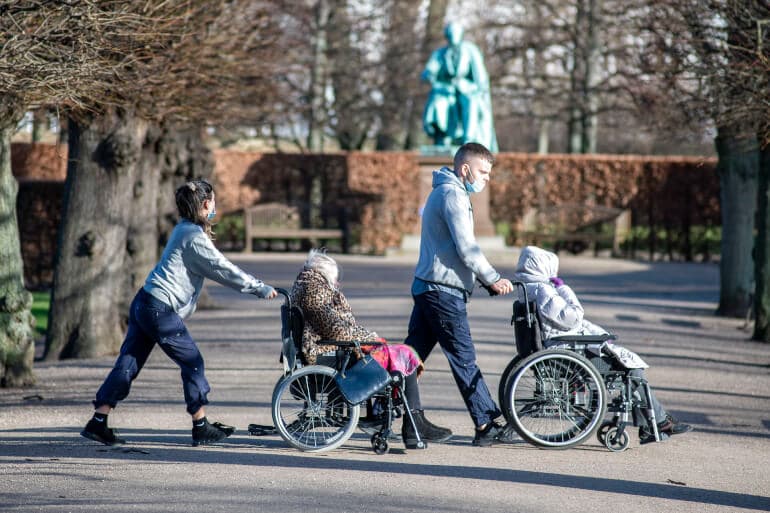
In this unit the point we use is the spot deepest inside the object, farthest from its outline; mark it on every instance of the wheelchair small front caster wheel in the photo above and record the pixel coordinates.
(601, 434)
(379, 444)
(616, 440)
(422, 444)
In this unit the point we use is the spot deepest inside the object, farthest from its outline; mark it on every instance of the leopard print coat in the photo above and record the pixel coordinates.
(327, 314)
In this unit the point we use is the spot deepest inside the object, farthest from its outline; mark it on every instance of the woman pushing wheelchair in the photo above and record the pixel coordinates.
(562, 314)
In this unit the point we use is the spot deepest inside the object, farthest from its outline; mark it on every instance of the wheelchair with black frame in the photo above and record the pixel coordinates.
(559, 397)
(308, 407)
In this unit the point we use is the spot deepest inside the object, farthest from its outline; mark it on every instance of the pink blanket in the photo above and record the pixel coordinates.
(398, 357)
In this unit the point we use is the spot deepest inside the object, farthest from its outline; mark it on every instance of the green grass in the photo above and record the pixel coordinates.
(40, 306)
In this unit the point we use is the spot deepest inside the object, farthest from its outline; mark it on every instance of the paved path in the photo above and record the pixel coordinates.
(703, 368)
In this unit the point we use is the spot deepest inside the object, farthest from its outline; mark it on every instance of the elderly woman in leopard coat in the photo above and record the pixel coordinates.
(328, 316)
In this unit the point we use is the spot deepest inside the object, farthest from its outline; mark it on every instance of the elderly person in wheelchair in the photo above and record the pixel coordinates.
(562, 314)
(328, 316)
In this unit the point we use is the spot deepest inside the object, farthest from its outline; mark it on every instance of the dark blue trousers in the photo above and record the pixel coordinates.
(443, 318)
(151, 322)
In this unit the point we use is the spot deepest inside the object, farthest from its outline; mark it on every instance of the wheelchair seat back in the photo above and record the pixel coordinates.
(292, 326)
(526, 328)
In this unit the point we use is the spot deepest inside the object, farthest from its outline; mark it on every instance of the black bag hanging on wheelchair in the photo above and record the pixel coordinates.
(361, 380)
(526, 328)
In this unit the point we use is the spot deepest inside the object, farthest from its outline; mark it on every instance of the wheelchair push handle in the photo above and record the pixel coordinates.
(286, 297)
(515, 284)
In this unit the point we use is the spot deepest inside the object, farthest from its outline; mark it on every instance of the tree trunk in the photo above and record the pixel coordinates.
(17, 336)
(539, 103)
(345, 63)
(434, 31)
(39, 124)
(762, 251)
(182, 156)
(591, 54)
(171, 156)
(141, 244)
(90, 270)
(318, 77)
(576, 77)
(399, 89)
(738, 168)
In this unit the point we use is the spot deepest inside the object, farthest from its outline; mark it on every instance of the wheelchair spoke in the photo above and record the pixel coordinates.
(555, 398)
(309, 411)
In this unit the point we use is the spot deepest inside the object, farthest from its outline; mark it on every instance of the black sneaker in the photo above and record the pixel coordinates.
(98, 431)
(228, 430)
(489, 435)
(207, 434)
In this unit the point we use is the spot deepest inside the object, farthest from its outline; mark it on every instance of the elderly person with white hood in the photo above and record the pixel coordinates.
(562, 314)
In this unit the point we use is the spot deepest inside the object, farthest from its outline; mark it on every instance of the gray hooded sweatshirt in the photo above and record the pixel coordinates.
(449, 253)
(188, 258)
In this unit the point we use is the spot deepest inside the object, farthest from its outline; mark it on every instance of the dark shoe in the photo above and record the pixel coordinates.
(671, 426)
(99, 432)
(429, 432)
(508, 435)
(228, 430)
(645, 437)
(206, 434)
(489, 435)
(371, 425)
(666, 429)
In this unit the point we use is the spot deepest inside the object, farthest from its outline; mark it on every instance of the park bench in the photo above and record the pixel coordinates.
(280, 222)
(575, 227)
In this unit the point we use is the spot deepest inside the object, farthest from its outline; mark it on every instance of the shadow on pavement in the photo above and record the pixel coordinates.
(212, 455)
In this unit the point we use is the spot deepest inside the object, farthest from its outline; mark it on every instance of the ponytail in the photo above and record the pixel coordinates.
(189, 203)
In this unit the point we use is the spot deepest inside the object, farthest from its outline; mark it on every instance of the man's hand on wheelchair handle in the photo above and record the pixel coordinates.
(501, 287)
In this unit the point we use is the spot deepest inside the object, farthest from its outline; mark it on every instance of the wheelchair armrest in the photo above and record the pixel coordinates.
(347, 343)
(585, 339)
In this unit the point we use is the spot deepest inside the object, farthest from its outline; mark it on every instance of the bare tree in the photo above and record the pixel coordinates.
(710, 52)
(432, 39)
(46, 60)
(401, 68)
(193, 72)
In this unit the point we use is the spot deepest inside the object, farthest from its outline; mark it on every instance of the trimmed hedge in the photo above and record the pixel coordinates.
(672, 199)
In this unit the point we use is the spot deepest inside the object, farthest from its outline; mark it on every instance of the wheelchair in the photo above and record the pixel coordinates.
(308, 409)
(560, 397)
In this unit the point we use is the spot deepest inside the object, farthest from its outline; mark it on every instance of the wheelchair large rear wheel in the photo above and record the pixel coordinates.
(309, 411)
(555, 399)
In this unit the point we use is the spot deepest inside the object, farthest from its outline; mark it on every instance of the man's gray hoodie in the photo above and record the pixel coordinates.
(449, 253)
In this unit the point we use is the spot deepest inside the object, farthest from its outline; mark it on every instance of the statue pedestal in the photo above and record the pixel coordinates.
(484, 229)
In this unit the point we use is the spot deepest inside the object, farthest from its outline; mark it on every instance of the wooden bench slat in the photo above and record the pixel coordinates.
(276, 221)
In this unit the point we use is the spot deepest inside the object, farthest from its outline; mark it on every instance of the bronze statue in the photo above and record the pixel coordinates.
(459, 109)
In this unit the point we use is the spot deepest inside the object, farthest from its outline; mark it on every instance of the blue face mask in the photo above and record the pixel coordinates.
(212, 214)
(476, 186)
